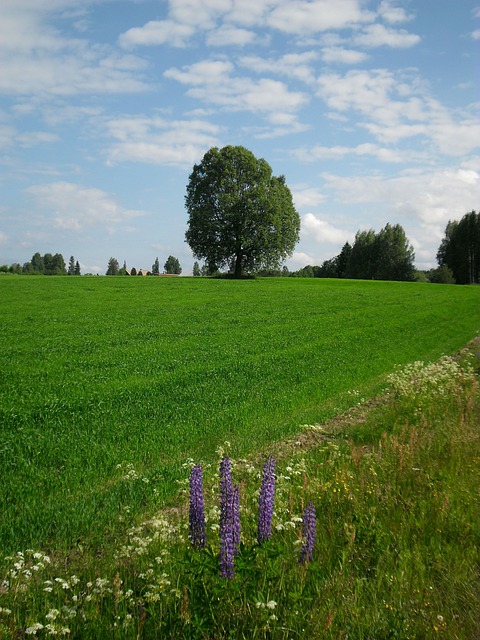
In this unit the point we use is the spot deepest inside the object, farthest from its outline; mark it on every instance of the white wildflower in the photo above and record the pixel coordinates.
(32, 631)
(52, 614)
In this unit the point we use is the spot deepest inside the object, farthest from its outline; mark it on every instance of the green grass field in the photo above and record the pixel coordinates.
(105, 380)
(112, 388)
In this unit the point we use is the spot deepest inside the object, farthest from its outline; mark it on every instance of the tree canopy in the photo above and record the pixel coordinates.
(387, 255)
(172, 266)
(240, 215)
(460, 249)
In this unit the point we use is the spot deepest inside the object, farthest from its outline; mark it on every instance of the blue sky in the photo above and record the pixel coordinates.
(368, 107)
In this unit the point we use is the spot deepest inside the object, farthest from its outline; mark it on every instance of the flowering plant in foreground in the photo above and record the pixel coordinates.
(266, 501)
(309, 534)
(229, 519)
(197, 513)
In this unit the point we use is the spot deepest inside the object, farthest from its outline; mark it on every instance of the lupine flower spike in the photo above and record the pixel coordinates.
(197, 515)
(229, 519)
(309, 534)
(266, 501)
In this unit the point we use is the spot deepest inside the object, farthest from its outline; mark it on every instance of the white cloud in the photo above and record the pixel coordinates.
(301, 18)
(301, 259)
(394, 108)
(37, 58)
(3, 238)
(213, 82)
(322, 231)
(317, 152)
(227, 36)
(71, 206)
(343, 56)
(157, 32)
(306, 197)
(476, 34)
(292, 65)
(377, 35)
(202, 14)
(430, 198)
(159, 141)
(392, 13)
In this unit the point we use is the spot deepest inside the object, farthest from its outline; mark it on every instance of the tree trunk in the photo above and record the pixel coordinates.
(238, 265)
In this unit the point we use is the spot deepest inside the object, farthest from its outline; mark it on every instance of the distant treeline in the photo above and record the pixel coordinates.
(46, 265)
(387, 255)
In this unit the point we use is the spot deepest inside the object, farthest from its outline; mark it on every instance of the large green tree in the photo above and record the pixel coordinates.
(240, 215)
(460, 249)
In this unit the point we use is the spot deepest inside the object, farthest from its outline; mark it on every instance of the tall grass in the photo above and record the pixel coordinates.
(395, 488)
(104, 379)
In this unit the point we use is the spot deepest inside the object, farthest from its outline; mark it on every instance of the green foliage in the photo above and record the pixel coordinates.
(460, 249)
(384, 256)
(240, 215)
(441, 275)
(172, 266)
(196, 269)
(156, 267)
(71, 266)
(113, 268)
(397, 545)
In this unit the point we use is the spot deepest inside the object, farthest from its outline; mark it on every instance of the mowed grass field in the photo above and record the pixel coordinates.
(108, 379)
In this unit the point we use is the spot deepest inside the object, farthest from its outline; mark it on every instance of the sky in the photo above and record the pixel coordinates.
(369, 108)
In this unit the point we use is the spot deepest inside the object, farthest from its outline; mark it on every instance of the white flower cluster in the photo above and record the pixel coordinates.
(433, 380)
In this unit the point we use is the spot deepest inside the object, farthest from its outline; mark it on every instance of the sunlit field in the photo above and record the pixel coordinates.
(103, 378)
(115, 390)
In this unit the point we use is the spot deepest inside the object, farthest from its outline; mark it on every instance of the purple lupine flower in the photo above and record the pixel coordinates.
(229, 519)
(236, 519)
(198, 536)
(308, 533)
(266, 500)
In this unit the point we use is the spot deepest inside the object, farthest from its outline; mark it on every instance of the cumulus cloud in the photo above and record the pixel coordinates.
(300, 17)
(299, 66)
(74, 207)
(343, 56)
(214, 82)
(431, 198)
(392, 13)
(38, 59)
(301, 259)
(227, 36)
(157, 32)
(159, 141)
(306, 197)
(377, 35)
(322, 231)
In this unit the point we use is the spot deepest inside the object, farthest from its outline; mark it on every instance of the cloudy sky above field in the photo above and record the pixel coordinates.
(368, 107)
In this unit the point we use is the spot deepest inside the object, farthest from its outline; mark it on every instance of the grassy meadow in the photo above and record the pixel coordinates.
(110, 387)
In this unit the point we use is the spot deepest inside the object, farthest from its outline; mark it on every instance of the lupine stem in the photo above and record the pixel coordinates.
(309, 534)
(266, 501)
(198, 536)
(229, 519)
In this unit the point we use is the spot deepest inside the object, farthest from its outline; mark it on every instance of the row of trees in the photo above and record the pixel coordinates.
(387, 255)
(171, 267)
(46, 265)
